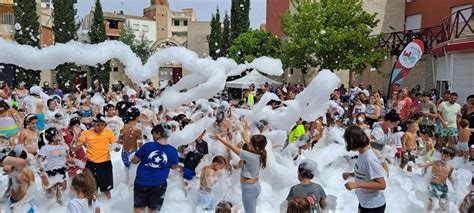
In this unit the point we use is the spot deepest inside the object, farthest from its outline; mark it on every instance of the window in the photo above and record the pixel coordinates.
(145, 28)
(113, 24)
(413, 22)
(8, 18)
(176, 22)
(116, 69)
(185, 23)
(136, 27)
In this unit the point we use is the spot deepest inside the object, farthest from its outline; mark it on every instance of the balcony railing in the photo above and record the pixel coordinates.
(456, 26)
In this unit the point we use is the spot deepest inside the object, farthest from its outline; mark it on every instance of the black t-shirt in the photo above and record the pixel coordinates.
(193, 158)
(122, 108)
(470, 118)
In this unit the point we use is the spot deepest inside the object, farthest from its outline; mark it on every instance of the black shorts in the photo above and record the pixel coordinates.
(149, 196)
(54, 172)
(380, 209)
(103, 174)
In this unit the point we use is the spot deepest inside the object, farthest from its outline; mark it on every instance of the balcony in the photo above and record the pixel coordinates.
(455, 32)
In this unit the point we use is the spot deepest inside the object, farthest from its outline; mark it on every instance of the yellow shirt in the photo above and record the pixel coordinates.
(296, 133)
(98, 145)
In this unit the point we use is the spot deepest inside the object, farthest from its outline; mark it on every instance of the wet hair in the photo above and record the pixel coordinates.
(464, 123)
(99, 118)
(392, 116)
(47, 137)
(355, 138)
(4, 105)
(179, 117)
(304, 172)
(259, 142)
(74, 121)
(219, 159)
(162, 130)
(50, 101)
(28, 119)
(85, 183)
(224, 207)
(448, 151)
(107, 107)
(411, 123)
(133, 113)
(298, 205)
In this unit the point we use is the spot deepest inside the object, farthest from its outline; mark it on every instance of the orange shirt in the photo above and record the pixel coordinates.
(98, 145)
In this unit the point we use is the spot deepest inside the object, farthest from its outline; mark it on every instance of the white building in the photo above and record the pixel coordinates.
(143, 27)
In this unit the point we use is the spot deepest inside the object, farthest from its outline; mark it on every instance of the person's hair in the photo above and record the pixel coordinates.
(470, 97)
(259, 142)
(392, 116)
(74, 121)
(305, 173)
(85, 183)
(411, 123)
(28, 119)
(377, 99)
(160, 129)
(449, 151)
(224, 207)
(464, 123)
(454, 94)
(133, 113)
(355, 138)
(4, 104)
(298, 205)
(446, 92)
(107, 107)
(50, 101)
(219, 159)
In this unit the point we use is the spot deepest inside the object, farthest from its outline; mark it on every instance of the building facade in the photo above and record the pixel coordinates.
(7, 19)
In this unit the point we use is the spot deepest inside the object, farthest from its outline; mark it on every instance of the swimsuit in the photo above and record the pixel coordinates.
(8, 127)
(438, 191)
(462, 146)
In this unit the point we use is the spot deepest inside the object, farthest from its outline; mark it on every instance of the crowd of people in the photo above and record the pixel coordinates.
(65, 140)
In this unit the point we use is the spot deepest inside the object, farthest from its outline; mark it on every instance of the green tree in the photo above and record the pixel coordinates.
(97, 35)
(226, 36)
(215, 36)
(254, 44)
(65, 28)
(27, 33)
(239, 17)
(141, 46)
(330, 34)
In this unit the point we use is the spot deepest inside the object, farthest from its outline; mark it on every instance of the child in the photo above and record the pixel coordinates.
(308, 189)
(19, 191)
(225, 207)
(53, 158)
(205, 196)
(299, 205)
(113, 121)
(85, 188)
(193, 152)
(442, 170)
(156, 159)
(464, 134)
(29, 136)
(409, 146)
(130, 137)
(428, 151)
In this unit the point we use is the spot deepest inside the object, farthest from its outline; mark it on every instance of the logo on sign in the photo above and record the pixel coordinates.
(410, 55)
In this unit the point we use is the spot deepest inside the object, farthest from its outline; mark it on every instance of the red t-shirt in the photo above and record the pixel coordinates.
(405, 103)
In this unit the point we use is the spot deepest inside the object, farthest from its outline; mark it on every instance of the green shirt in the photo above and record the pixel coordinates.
(450, 113)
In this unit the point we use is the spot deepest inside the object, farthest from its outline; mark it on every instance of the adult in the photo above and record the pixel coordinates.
(445, 97)
(47, 89)
(98, 141)
(353, 91)
(123, 107)
(373, 110)
(428, 110)
(22, 93)
(469, 115)
(364, 89)
(254, 156)
(404, 104)
(156, 159)
(450, 113)
(57, 91)
(368, 172)
(392, 103)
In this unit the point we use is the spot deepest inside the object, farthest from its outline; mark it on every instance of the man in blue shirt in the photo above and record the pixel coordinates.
(156, 159)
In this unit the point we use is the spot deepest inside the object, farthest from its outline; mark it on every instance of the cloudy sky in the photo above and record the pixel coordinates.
(203, 8)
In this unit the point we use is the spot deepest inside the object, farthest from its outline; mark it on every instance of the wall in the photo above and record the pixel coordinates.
(275, 8)
(7, 31)
(198, 31)
(391, 13)
(150, 35)
(433, 11)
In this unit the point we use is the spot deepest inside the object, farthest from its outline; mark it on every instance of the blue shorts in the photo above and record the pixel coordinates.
(126, 159)
(462, 147)
(206, 200)
(188, 174)
(438, 191)
(8, 132)
(450, 131)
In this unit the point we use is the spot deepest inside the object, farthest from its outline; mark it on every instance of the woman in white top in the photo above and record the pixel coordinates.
(254, 156)
(85, 188)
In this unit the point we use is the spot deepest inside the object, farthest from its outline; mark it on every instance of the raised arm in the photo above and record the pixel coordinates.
(224, 141)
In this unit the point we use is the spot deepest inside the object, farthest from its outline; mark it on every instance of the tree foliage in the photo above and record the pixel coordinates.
(332, 34)
(215, 36)
(27, 33)
(239, 17)
(97, 35)
(65, 28)
(139, 46)
(226, 36)
(254, 44)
